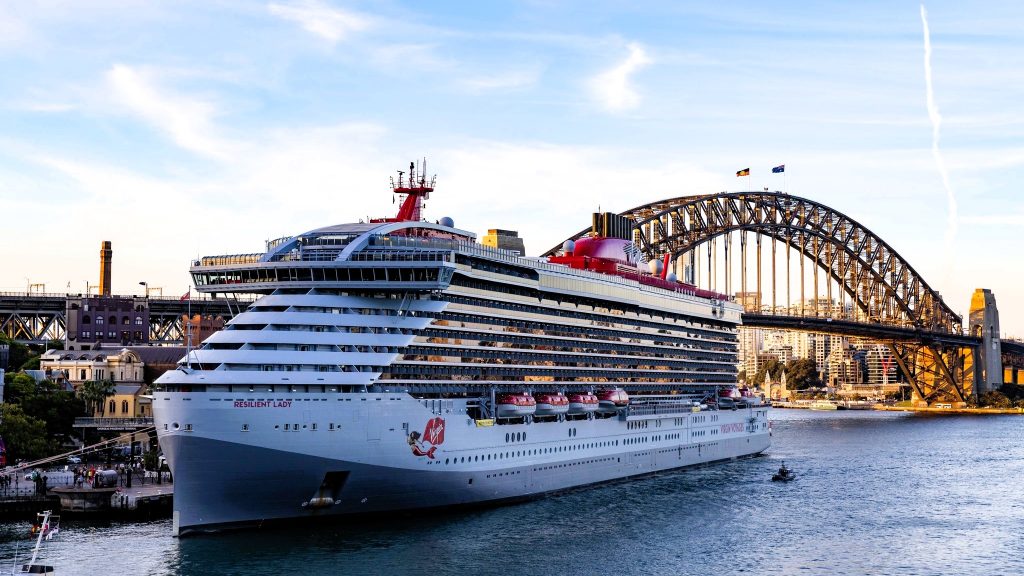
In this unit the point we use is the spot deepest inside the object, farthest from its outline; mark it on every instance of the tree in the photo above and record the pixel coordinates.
(57, 408)
(18, 353)
(24, 436)
(802, 373)
(19, 386)
(742, 376)
(95, 392)
(773, 367)
(994, 399)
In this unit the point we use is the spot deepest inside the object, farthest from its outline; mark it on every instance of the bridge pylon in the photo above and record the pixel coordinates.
(984, 323)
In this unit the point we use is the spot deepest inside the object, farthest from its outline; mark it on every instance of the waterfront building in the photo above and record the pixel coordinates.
(504, 240)
(199, 327)
(94, 321)
(128, 401)
(72, 368)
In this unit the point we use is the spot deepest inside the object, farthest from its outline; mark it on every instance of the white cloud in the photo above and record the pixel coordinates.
(188, 120)
(505, 81)
(612, 87)
(331, 24)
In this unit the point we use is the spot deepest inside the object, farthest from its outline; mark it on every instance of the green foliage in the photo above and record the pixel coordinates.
(742, 376)
(802, 374)
(994, 399)
(19, 386)
(57, 408)
(17, 355)
(95, 392)
(31, 364)
(773, 367)
(24, 435)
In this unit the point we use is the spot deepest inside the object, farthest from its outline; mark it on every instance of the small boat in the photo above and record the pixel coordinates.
(784, 474)
(47, 529)
(582, 403)
(516, 405)
(551, 403)
(612, 400)
(823, 405)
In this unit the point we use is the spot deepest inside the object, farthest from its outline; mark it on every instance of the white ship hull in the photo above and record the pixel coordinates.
(235, 465)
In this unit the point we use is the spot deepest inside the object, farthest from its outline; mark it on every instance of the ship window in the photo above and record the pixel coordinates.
(313, 426)
(245, 427)
(286, 426)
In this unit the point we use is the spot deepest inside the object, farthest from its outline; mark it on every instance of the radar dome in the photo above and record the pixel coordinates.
(447, 221)
(671, 277)
(655, 266)
(569, 246)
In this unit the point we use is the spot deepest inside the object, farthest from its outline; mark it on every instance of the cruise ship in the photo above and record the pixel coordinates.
(398, 364)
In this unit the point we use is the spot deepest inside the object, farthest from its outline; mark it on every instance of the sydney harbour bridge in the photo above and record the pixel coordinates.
(793, 263)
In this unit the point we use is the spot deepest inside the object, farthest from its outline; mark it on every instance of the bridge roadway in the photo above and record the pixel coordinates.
(40, 317)
(872, 330)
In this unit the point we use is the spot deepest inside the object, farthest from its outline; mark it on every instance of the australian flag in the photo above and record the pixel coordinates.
(779, 169)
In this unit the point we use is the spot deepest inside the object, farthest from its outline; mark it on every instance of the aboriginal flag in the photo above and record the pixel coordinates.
(744, 172)
(779, 169)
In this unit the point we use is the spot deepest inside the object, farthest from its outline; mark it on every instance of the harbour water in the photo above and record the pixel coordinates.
(877, 493)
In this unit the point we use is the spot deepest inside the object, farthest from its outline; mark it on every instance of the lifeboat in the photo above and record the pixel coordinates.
(612, 400)
(582, 403)
(550, 404)
(515, 405)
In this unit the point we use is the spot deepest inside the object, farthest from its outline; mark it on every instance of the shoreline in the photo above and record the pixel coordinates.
(890, 408)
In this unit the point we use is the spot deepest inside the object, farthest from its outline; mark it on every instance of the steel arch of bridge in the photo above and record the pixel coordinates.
(882, 285)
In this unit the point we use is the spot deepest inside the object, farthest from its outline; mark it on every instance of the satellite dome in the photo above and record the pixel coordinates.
(671, 277)
(447, 221)
(569, 246)
(655, 266)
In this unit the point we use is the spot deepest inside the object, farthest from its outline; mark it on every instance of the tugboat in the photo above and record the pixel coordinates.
(784, 474)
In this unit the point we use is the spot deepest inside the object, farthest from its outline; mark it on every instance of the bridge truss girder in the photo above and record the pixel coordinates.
(936, 372)
(36, 327)
(166, 328)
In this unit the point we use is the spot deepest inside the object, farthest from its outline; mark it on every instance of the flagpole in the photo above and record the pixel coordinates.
(188, 328)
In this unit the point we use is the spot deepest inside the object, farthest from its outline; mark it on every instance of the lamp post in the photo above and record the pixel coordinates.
(146, 286)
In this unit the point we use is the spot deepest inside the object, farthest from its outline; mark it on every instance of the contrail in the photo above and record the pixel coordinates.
(936, 119)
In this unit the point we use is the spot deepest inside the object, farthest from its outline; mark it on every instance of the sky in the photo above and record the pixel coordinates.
(177, 130)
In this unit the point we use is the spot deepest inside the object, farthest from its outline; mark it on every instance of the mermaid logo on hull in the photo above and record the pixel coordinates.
(426, 444)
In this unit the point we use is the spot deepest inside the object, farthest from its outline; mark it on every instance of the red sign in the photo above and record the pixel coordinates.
(426, 444)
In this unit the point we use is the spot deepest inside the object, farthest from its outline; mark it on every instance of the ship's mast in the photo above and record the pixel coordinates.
(415, 191)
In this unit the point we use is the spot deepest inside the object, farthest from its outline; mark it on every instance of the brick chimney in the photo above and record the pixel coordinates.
(106, 254)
